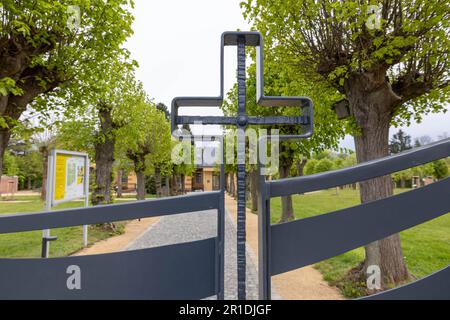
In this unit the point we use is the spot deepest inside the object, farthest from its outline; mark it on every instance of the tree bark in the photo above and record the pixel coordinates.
(140, 194)
(183, 184)
(233, 185)
(371, 101)
(5, 135)
(44, 153)
(119, 184)
(158, 182)
(104, 158)
(287, 210)
(300, 165)
(167, 187)
(254, 189)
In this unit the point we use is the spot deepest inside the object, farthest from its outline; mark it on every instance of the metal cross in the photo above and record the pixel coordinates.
(241, 121)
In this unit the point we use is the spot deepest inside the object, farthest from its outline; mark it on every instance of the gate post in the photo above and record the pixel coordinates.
(221, 228)
(263, 234)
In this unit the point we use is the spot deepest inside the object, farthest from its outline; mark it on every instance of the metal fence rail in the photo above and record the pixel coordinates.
(288, 246)
(191, 270)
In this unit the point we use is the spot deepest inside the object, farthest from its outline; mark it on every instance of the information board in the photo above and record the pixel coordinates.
(70, 174)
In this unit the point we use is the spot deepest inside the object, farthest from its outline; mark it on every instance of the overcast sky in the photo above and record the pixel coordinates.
(177, 45)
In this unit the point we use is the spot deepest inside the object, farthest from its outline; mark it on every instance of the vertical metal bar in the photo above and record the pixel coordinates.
(221, 228)
(86, 197)
(48, 202)
(241, 175)
(263, 238)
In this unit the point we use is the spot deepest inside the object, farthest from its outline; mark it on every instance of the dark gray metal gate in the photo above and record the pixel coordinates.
(305, 121)
(191, 270)
(288, 246)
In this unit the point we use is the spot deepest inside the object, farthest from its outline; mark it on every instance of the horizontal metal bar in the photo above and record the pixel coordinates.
(219, 120)
(282, 120)
(197, 102)
(109, 213)
(269, 101)
(207, 120)
(360, 172)
(433, 287)
(307, 241)
(180, 271)
(251, 38)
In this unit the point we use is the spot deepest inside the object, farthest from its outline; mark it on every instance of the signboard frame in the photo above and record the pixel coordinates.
(50, 195)
(57, 152)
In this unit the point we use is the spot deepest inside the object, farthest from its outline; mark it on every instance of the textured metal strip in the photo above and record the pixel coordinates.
(241, 174)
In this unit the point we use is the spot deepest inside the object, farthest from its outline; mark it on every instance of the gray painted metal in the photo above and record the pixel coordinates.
(218, 120)
(116, 212)
(361, 172)
(181, 271)
(253, 39)
(295, 244)
(142, 274)
(307, 241)
(304, 121)
(241, 174)
(264, 254)
(433, 287)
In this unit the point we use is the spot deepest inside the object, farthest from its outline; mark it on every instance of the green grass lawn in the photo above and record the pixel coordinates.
(28, 244)
(426, 247)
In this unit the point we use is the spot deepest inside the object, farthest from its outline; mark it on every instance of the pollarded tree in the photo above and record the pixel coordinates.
(283, 81)
(97, 109)
(44, 44)
(388, 59)
(147, 142)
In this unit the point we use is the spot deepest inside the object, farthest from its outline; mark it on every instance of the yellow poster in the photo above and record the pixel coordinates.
(69, 175)
(60, 176)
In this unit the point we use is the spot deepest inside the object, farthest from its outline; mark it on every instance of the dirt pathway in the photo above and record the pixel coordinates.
(302, 284)
(133, 230)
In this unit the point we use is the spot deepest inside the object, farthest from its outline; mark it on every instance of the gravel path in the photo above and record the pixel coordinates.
(196, 226)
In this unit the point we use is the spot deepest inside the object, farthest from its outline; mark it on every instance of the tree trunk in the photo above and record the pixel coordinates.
(167, 187)
(254, 189)
(402, 183)
(287, 211)
(140, 185)
(158, 182)
(44, 152)
(4, 140)
(183, 184)
(372, 109)
(300, 165)
(119, 184)
(232, 186)
(104, 157)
